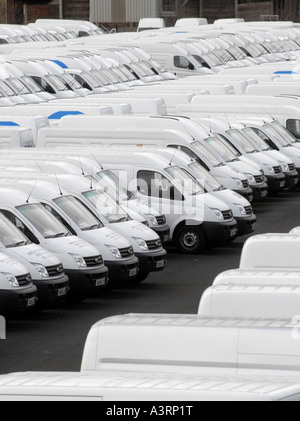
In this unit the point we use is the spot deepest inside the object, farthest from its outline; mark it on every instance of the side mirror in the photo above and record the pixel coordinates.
(113, 31)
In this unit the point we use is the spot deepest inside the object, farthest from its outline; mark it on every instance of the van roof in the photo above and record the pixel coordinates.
(274, 388)
(189, 321)
(260, 277)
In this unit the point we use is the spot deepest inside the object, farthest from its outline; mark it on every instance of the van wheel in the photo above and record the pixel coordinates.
(190, 240)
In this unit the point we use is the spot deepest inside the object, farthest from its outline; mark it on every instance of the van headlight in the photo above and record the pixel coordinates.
(142, 243)
(284, 167)
(41, 270)
(239, 183)
(241, 209)
(218, 214)
(79, 260)
(152, 219)
(115, 251)
(270, 169)
(11, 279)
(251, 179)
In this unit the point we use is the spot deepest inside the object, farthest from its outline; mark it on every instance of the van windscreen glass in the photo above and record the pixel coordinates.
(10, 236)
(207, 154)
(47, 225)
(79, 214)
(105, 205)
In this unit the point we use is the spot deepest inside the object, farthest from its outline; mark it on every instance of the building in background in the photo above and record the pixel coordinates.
(125, 14)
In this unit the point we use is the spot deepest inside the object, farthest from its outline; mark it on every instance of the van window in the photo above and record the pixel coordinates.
(43, 84)
(294, 127)
(190, 153)
(182, 62)
(59, 217)
(19, 224)
(154, 184)
(264, 137)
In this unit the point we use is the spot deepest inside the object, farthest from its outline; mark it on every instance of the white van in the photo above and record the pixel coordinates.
(33, 122)
(261, 294)
(147, 24)
(189, 344)
(195, 220)
(158, 387)
(45, 269)
(17, 292)
(275, 251)
(81, 261)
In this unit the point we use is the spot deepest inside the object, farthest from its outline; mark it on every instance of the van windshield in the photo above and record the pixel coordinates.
(221, 149)
(11, 236)
(242, 141)
(271, 132)
(71, 81)
(110, 180)
(19, 86)
(47, 225)
(6, 89)
(256, 139)
(31, 83)
(79, 214)
(207, 154)
(284, 132)
(57, 83)
(185, 181)
(105, 205)
(205, 176)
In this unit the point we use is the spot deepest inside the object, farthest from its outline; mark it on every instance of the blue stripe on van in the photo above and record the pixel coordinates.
(9, 123)
(61, 114)
(287, 72)
(60, 63)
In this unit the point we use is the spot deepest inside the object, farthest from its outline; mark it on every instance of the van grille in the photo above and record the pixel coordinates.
(24, 279)
(93, 261)
(245, 184)
(161, 220)
(277, 170)
(227, 215)
(292, 167)
(259, 179)
(55, 270)
(248, 210)
(154, 244)
(125, 253)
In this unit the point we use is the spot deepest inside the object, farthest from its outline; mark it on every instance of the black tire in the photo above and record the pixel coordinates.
(190, 240)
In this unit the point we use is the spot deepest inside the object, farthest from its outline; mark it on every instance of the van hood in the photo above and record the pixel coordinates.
(135, 229)
(260, 158)
(35, 254)
(71, 244)
(105, 236)
(228, 196)
(279, 156)
(230, 172)
(209, 200)
(12, 266)
(140, 206)
(245, 168)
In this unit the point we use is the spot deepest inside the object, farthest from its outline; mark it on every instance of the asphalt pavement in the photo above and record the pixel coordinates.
(54, 340)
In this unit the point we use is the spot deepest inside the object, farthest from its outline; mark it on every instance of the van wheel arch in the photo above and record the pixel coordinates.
(190, 239)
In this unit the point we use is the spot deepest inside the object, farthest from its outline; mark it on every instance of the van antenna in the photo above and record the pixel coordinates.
(60, 190)
(274, 119)
(228, 122)
(82, 171)
(171, 162)
(27, 201)
(210, 126)
(97, 161)
(91, 185)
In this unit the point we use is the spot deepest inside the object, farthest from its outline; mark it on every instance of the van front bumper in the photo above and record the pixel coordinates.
(276, 183)
(260, 191)
(246, 225)
(218, 233)
(163, 233)
(247, 194)
(123, 271)
(87, 281)
(51, 291)
(18, 301)
(154, 261)
(292, 180)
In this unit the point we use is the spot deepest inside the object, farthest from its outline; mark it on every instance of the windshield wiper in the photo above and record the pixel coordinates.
(20, 243)
(61, 234)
